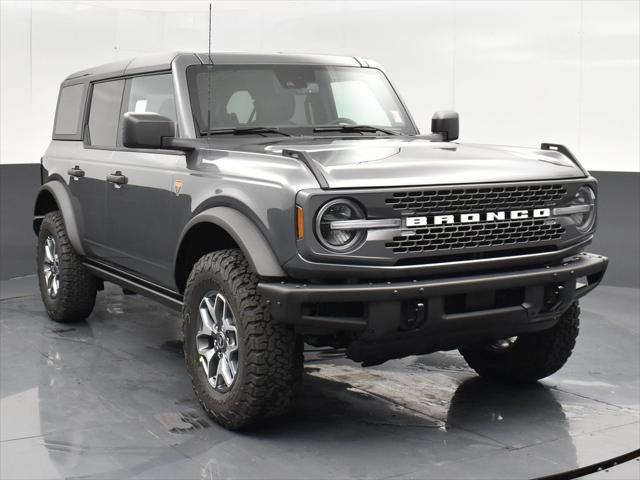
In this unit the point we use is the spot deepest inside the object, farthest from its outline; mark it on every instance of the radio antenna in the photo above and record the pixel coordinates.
(210, 75)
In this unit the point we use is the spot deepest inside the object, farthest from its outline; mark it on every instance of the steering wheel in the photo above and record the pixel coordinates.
(342, 120)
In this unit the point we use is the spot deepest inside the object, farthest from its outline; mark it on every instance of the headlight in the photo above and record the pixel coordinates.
(330, 232)
(581, 210)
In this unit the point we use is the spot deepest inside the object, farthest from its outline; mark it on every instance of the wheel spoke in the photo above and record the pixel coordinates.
(206, 322)
(233, 366)
(219, 309)
(203, 342)
(210, 309)
(49, 249)
(207, 358)
(225, 370)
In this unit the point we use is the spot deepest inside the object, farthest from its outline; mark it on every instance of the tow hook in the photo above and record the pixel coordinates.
(553, 297)
(413, 315)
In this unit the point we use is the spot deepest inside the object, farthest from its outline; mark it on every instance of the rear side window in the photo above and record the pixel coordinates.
(104, 113)
(69, 115)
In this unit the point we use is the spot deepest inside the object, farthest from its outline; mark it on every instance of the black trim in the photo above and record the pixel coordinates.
(311, 165)
(557, 147)
(134, 283)
(397, 319)
(286, 299)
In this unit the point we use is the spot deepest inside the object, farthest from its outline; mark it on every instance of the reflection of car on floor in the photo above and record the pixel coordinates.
(277, 199)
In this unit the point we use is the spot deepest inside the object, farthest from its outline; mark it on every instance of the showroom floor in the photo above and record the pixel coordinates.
(110, 398)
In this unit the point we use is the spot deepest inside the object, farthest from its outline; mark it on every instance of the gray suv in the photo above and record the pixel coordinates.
(278, 200)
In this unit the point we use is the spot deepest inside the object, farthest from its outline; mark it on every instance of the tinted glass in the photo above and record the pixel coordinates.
(153, 94)
(69, 112)
(104, 114)
(295, 96)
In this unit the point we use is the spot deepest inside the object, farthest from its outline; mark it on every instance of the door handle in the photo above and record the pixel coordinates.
(76, 172)
(117, 178)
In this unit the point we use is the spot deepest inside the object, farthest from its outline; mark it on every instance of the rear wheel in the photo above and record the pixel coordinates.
(528, 357)
(68, 290)
(243, 366)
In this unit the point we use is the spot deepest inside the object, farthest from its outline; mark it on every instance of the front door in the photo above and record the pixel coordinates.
(140, 190)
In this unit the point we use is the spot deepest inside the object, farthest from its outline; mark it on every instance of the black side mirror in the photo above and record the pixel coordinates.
(146, 130)
(447, 124)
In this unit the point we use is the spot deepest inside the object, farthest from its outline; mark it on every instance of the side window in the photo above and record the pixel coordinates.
(104, 114)
(152, 93)
(69, 114)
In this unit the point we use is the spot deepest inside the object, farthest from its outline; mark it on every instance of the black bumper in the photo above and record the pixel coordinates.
(421, 316)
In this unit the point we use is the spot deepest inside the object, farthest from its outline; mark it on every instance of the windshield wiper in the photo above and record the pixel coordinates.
(247, 131)
(354, 128)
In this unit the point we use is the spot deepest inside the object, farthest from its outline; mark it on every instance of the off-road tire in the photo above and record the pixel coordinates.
(533, 356)
(76, 295)
(270, 360)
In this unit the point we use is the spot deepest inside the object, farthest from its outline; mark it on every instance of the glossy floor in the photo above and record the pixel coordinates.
(110, 398)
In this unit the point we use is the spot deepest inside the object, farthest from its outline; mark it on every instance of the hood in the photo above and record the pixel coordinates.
(390, 162)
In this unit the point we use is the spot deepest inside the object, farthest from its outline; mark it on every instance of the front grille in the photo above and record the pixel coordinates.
(478, 235)
(470, 200)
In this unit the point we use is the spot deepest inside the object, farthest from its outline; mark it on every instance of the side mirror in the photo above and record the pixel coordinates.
(146, 130)
(446, 123)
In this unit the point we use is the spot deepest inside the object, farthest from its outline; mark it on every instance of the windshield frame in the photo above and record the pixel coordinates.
(409, 129)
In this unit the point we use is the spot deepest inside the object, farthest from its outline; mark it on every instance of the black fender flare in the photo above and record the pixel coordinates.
(65, 205)
(245, 233)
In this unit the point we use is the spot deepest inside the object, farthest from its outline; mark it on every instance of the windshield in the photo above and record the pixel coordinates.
(295, 99)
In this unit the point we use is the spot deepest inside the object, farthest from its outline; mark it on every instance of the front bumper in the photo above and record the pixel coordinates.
(421, 316)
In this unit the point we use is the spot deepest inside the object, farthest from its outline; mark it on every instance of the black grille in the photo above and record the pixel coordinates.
(478, 235)
(469, 200)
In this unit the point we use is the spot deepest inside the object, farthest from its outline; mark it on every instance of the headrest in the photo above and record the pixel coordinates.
(275, 109)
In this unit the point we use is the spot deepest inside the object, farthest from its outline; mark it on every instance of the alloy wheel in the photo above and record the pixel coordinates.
(217, 341)
(51, 267)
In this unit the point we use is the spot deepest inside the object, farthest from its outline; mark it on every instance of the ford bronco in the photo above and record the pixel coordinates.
(283, 200)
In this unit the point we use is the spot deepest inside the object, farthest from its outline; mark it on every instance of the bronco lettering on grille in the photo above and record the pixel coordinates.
(476, 217)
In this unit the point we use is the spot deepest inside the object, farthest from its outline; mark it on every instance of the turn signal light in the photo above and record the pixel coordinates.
(299, 222)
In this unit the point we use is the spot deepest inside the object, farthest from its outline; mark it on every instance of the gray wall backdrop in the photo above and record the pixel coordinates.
(618, 234)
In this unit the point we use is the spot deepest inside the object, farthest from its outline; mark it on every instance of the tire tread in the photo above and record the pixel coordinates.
(534, 356)
(78, 288)
(273, 354)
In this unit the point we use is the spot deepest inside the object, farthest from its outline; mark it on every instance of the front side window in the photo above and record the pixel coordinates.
(104, 113)
(69, 114)
(293, 98)
(152, 93)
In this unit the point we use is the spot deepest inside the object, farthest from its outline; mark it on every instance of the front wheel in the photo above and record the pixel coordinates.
(243, 366)
(529, 357)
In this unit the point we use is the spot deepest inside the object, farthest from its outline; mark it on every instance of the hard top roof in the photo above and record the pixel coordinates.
(162, 61)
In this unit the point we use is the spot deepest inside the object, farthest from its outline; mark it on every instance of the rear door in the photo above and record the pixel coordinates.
(139, 211)
(88, 169)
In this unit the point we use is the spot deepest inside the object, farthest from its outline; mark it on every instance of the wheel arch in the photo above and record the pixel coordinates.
(219, 228)
(53, 196)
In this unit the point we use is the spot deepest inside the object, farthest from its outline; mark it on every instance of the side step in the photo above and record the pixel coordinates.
(130, 282)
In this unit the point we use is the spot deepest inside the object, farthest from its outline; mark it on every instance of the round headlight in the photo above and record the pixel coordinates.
(585, 217)
(329, 232)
